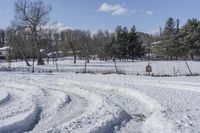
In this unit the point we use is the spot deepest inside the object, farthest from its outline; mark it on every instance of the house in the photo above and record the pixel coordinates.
(152, 53)
(58, 54)
(4, 51)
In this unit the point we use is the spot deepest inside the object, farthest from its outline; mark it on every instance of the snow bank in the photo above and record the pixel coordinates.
(4, 96)
(21, 122)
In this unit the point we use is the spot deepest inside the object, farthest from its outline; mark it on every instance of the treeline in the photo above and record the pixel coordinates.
(179, 42)
(123, 44)
(29, 38)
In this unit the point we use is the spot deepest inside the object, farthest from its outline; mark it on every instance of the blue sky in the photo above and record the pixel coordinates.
(147, 15)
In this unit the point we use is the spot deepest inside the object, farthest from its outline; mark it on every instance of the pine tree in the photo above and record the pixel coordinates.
(190, 36)
(135, 48)
(168, 39)
(2, 37)
(122, 42)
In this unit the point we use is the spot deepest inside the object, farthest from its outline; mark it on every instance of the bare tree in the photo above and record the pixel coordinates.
(32, 15)
(71, 38)
(15, 40)
(102, 41)
(2, 38)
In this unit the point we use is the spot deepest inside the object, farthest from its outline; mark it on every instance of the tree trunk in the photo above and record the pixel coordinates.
(23, 54)
(85, 71)
(132, 56)
(192, 56)
(40, 61)
(115, 66)
(33, 66)
(74, 57)
(47, 60)
(74, 51)
(57, 66)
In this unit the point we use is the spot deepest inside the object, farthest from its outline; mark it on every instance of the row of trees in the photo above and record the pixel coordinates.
(123, 44)
(180, 42)
(2, 37)
(29, 38)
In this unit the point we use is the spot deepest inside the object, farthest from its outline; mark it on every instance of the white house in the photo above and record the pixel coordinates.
(4, 52)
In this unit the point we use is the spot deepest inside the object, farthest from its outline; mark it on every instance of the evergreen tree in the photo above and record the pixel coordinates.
(168, 38)
(179, 49)
(135, 48)
(118, 42)
(190, 36)
(122, 42)
(2, 37)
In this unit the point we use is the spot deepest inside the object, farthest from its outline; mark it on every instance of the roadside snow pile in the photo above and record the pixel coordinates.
(19, 122)
(4, 96)
(19, 114)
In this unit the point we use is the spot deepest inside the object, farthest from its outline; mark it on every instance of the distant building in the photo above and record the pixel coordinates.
(4, 52)
(156, 43)
(153, 55)
(58, 54)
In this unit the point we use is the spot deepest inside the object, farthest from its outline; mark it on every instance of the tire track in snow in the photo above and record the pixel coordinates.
(20, 114)
(155, 121)
(180, 85)
(89, 117)
(186, 86)
(103, 115)
(67, 109)
(178, 120)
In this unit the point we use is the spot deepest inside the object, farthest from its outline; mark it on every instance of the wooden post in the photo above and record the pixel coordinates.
(188, 67)
(33, 69)
(116, 66)
(56, 66)
(85, 66)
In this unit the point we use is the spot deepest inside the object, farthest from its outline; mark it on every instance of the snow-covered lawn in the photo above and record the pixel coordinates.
(136, 68)
(97, 103)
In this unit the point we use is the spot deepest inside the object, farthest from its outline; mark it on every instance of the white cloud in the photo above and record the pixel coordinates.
(154, 31)
(115, 10)
(149, 12)
(57, 26)
(109, 8)
(121, 11)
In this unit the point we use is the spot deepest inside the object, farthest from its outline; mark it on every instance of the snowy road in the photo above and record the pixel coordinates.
(95, 103)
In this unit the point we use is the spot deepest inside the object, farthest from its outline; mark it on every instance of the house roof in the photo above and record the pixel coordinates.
(5, 48)
(158, 42)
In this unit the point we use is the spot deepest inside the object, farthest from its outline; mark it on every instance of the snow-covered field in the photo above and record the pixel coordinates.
(134, 68)
(98, 103)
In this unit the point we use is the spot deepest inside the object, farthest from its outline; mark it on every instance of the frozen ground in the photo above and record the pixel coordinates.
(97, 103)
